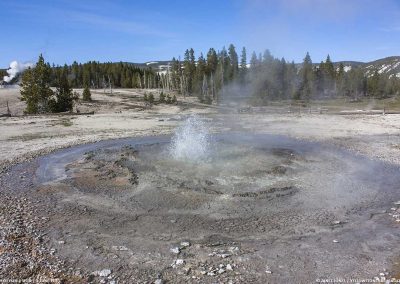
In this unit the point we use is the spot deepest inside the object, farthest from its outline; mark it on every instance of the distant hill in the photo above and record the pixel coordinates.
(388, 66)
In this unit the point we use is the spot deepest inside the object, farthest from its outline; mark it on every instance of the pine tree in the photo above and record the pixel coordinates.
(162, 98)
(234, 63)
(150, 98)
(212, 61)
(200, 74)
(168, 99)
(35, 87)
(189, 69)
(340, 80)
(86, 95)
(254, 61)
(243, 66)
(306, 88)
(64, 97)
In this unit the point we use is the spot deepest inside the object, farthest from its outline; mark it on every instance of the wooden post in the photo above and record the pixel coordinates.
(8, 110)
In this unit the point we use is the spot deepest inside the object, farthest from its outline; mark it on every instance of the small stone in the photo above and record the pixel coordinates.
(185, 244)
(159, 281)
(381, 274)
(397, 203)
(175, 250)
(229, 266)
(179, 262)
(220, 271)
(102, 273)
(337, 222)
(335, 241)
(268, 271)
(210, 273)
(61, 242)
(120, 248)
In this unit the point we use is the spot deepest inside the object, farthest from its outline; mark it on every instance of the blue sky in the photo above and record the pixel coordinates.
(139, 31)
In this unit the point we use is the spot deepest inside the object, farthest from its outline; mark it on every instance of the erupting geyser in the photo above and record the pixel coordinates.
(15, 68)
(191, 141)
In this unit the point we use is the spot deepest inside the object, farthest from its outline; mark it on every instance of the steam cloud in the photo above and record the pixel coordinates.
(15, 68)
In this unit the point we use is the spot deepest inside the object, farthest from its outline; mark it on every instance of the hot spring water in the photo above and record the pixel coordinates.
(191, 141)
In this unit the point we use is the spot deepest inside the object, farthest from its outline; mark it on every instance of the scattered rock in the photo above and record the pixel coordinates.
(229, 267)
(335, 241)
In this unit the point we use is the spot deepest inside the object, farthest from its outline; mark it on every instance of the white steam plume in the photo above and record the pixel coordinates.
(15, 68)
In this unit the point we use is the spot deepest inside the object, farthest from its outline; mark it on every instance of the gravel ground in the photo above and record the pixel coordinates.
(31, 249)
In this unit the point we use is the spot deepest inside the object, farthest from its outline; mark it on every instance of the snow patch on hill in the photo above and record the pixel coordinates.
(347, 68)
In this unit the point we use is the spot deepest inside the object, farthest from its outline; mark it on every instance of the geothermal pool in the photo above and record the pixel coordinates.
(261, 203)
